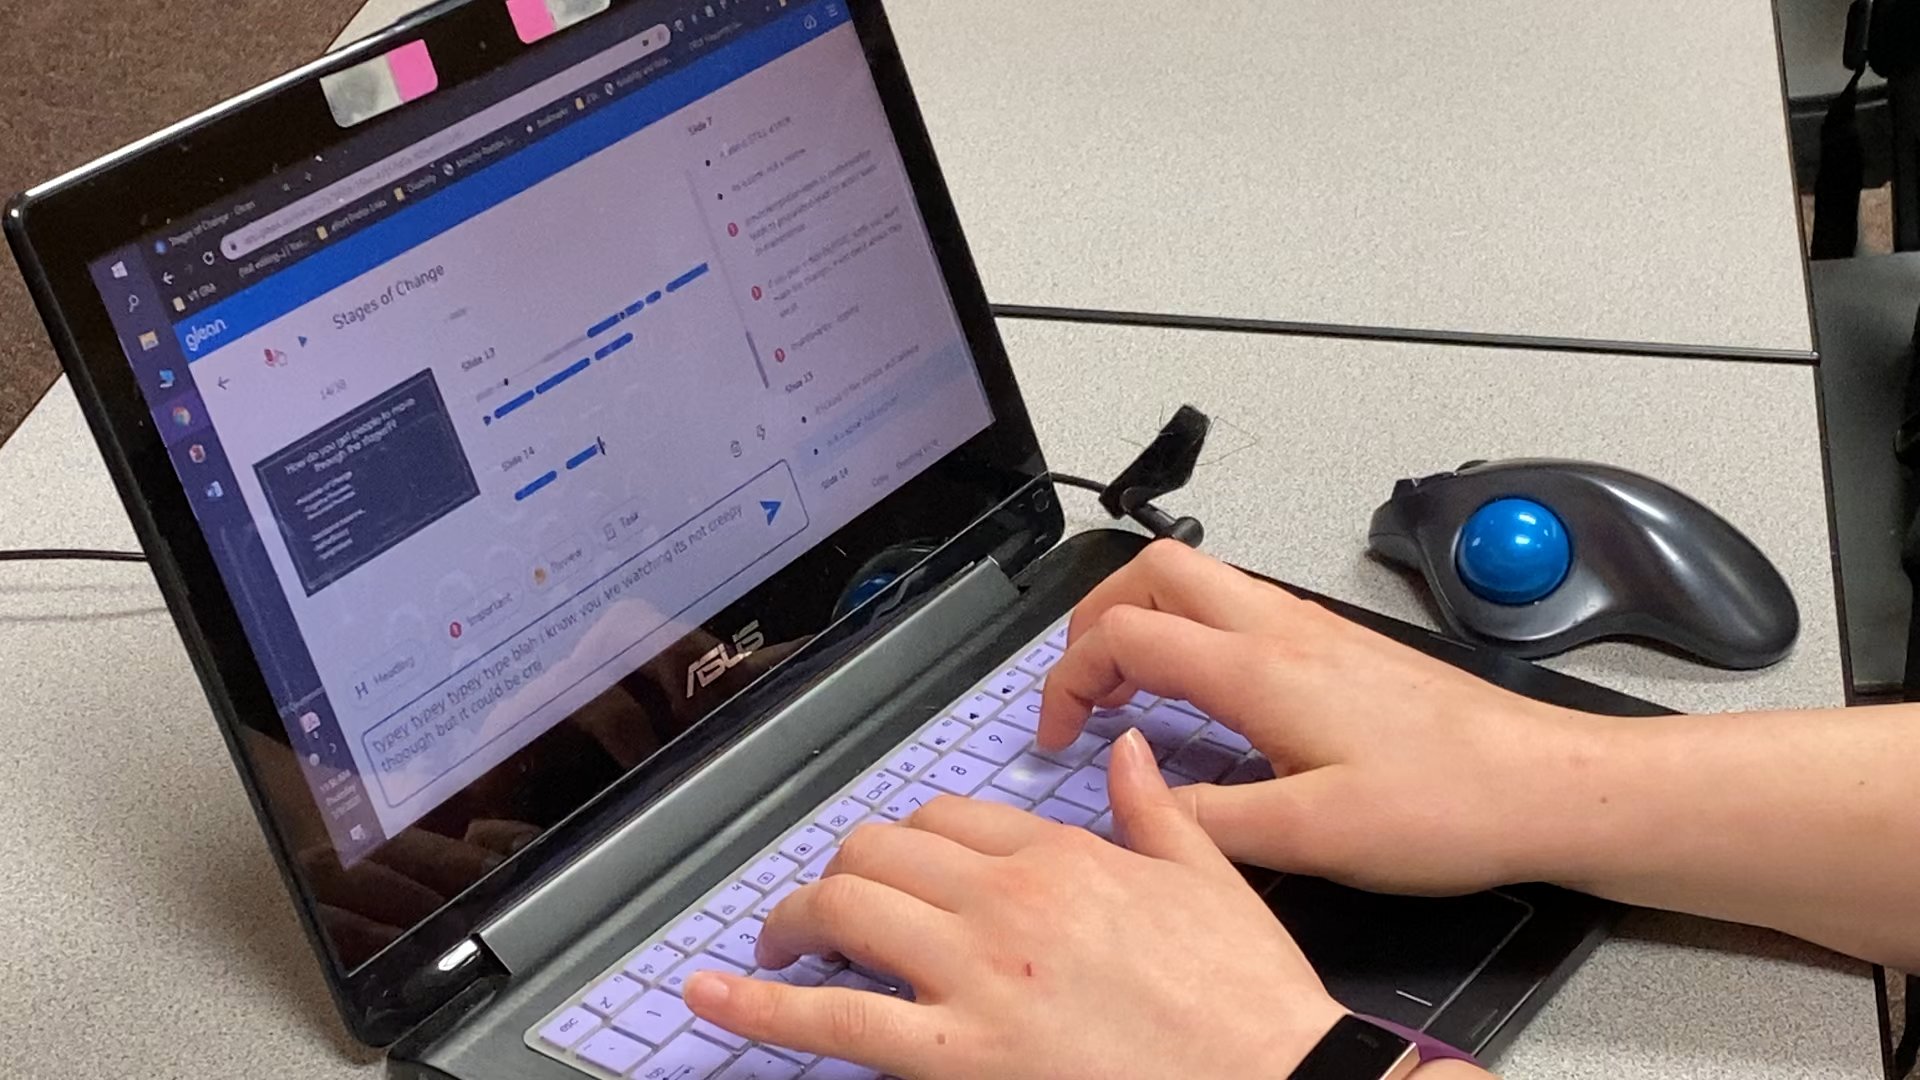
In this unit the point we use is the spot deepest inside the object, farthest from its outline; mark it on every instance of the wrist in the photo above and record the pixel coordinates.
(1556, 767)
(1450, 1070)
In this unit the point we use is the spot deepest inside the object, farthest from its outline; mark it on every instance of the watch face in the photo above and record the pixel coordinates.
(1357, 1050)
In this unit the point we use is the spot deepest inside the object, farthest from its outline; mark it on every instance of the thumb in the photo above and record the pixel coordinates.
(1148, 816)
(1277, 824)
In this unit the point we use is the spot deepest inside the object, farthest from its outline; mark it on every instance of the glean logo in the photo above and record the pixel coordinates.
(204, 333)
(719, 660)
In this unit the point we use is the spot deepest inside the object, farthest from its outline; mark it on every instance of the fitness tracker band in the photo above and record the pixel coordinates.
(1359, 1048)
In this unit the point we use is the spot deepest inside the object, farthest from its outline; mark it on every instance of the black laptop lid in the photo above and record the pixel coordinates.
(501, 397)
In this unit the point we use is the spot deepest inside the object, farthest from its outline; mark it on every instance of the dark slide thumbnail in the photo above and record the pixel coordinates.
(347, 492)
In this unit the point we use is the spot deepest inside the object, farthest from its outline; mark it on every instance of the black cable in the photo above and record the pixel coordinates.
(71, 555)
(1080, 482)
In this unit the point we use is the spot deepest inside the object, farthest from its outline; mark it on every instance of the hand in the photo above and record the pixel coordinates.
(1398, 772)
(1037, 950)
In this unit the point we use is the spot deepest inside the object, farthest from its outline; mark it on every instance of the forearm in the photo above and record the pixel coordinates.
(1808, 823)
(1450, 1070)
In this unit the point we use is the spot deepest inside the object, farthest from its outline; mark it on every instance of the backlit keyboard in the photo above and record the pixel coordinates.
(630, 1021)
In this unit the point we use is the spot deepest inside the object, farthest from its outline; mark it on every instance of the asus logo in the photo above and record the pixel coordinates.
(719, 660)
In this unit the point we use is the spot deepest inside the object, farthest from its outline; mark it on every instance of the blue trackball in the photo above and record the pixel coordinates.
(1514, 551)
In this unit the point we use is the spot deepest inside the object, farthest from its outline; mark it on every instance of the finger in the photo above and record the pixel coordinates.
(854, 1025)
(1150, 819)
(1278, 824)
(918, 862)
(1170, 576)
(985, 827)
(869, 923)
(1160, 653)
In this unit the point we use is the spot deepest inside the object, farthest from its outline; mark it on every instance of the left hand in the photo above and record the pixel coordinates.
(1038, 950)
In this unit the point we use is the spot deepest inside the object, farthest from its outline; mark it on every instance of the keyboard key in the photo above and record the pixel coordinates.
(880, 785)
(728, 1039)
(676, 979)
(736, 943)
(654, 1018)
(613, 1051)
(1058, 638)
(1110, 724)
(1032, 778)
(1065, 813)
(907, 800)
(1253, 770)
(1023, 712)
(945, 734)
(817, 869)
(757, 1064)
(568, 1028)
(960, 774)
(1104, 759)
(835, 1069)
(1225, 736)
(859, 980)
(1087, 788)
(694, 933)
(1205, 761)
(612, 995)
(1102, 826)
(1185, 707)
(805, 844)
(1009, 684)
(840, 818)
(1004, 798)
(911, 761)
(998, 742)
(773, 899)
(688, 1057)
(648, 965)
(1038, 660)
(734, 901)
(770, 871)
(1166, 727)
(977, 708)
(809, 971)
(1078, 753)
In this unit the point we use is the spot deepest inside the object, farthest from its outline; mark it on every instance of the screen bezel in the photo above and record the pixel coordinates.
(59, 229)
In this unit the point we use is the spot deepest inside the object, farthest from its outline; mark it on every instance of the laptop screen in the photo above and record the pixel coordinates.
(483, 417)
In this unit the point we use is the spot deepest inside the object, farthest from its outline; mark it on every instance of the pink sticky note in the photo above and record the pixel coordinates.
(531, 19)
(413, 73)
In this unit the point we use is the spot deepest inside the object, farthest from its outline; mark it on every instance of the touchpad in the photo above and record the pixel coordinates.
(1398, 958)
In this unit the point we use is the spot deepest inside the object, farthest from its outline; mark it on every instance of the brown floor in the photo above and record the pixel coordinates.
(81, 77)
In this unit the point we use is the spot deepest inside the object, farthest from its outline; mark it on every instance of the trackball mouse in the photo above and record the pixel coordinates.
(1534, 557)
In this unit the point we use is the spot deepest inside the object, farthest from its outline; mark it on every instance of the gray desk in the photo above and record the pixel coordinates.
(1615, 171)
(147, 934)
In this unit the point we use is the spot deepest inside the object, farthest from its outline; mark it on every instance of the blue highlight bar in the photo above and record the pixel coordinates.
(653, 298)
(613, 346)
(380, 243)
(633, 310)
(601, 328)
(512, 405)
(687, 278)
(520, 495)
(564, 374)
(583, 457)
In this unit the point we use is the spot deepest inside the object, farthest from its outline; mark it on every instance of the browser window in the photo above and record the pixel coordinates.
(472, 447)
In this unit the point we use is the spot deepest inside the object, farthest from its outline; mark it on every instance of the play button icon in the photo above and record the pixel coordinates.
(772, 509)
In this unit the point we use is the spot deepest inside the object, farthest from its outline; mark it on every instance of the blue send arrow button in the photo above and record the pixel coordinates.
(772, 509)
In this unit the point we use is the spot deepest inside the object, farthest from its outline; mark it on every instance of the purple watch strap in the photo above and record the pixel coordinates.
(1431, 1049)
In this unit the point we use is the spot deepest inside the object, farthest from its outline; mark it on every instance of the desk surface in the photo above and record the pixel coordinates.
(169, 949)
(1615, 171)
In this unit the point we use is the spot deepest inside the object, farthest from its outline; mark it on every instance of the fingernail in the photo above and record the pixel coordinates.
(1135, 744)
(706, 991)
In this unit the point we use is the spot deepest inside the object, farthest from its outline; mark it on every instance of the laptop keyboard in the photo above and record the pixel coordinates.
(630, 1022)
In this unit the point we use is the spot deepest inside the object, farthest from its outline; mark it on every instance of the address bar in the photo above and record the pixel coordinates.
(244, 241)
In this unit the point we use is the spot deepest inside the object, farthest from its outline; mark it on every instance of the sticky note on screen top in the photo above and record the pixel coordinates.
(535, 19)
(380, 85)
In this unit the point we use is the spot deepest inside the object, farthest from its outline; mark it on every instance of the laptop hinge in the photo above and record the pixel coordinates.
(648, 847)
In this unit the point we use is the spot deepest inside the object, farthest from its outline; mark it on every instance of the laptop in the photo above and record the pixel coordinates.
(576, 449)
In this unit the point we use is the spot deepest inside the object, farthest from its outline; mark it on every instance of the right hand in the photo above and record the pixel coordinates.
(1398, 772)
